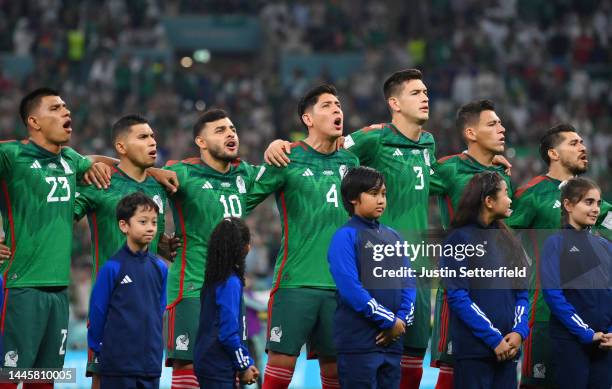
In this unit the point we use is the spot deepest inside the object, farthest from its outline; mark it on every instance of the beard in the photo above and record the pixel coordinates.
(575, 169)
(218, 152)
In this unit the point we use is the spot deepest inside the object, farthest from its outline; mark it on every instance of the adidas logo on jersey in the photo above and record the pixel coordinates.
(207, 185)
(126, 280)
(398, 153)
(307, 173)
(557, 204)
(574, 249)
(35, 165)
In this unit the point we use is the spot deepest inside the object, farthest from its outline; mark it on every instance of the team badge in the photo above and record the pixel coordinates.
(182, 342)
(160, 204)
(275, 334)
(240, 184)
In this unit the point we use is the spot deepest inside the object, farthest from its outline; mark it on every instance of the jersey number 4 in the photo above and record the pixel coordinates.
(53, 196)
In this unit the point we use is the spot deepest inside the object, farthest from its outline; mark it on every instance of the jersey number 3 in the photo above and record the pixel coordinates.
(53, 196)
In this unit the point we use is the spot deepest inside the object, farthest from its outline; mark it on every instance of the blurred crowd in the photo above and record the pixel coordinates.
(541, 62)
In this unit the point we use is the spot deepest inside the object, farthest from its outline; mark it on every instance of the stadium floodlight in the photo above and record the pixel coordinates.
(202, 55)
(186, 62)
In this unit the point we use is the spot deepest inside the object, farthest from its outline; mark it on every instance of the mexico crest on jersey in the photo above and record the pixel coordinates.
(159, 202)
(342, 171)
(240, 184)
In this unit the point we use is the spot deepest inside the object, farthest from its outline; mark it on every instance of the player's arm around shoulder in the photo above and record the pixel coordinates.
(364, 143)
(268, 179)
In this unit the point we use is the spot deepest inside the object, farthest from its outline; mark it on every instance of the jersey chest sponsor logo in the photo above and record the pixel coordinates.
(182, 342)
(225, 184)
(276, 334)
(328, 173)
(307, 173)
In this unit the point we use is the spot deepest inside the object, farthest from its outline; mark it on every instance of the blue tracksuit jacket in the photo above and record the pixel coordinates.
(364, 311)
(484, 310)
(576, 277)
(220, 351)
(126, 314)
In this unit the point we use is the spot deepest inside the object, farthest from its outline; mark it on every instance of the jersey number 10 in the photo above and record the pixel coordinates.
(231, 206)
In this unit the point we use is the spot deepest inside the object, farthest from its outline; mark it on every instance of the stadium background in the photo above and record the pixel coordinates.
(540, 61)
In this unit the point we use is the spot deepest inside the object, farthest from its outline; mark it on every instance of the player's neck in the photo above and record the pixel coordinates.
(322, 144)
(216, 164)
(135, 247)
(484, 157)
(409, 129)
(136, 173)
(45, 144)
(558, 172)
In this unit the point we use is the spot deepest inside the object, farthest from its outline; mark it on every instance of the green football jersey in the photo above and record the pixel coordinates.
(100, 206)
(452, 173)
(38, 191)
(308, 198)
(537, 206)
(205, 196)
(406, 165)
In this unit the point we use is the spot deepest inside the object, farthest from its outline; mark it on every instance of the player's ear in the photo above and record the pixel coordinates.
(33, 122)
(553, 155)
(200, 142)
(470, 134)
(307, 119)
(393, 104)
(120, 147)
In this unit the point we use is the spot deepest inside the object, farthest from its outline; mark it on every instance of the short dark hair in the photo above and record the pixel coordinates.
(129, 204)
(393, 84)
(32, 100)
(470, 112)
(208, 116)
(124, 123)
(359, 180)
(552, 138)
(574, 191)
(312, 96)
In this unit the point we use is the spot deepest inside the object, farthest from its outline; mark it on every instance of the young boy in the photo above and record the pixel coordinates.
(128, 302)
(373, 312)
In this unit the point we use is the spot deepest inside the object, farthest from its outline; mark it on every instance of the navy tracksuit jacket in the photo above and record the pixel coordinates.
(220, 351)
(367, 306)
(484, 310)
(126, 314)
(576, 277)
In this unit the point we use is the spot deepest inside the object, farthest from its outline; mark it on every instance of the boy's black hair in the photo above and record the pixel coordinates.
(359, 180)
(552, 138)
(208, 116)
(312, 96)
(227, 249)
(129, 204)
(124, 123)
(469, 113)
(31, 101)
(393, 84)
